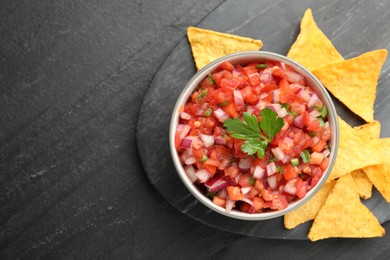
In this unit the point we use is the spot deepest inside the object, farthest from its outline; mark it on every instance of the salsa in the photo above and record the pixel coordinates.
(254, 137)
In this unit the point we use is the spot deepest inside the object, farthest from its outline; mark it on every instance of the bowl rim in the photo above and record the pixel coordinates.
(193, 83)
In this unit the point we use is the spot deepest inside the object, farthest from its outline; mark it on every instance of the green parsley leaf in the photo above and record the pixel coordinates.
(239, 130)
(271, 123)
(252, 146)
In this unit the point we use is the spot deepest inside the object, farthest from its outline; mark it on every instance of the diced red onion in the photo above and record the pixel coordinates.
(315, 113)
(259, 172)
(245, 190)
(304, 95)
(230, 181)
(200, 112)
(190, 171)
(245, 164)
(223, 194)
(260, 105)
(272, 182)
(266, 76)
(275, 107)
(229, 205)
(271, 168)
(286, 159)
(315, 140)
(290, 187)
(251, 110)
(279, 154)
(276, 95)
(218, 185)
(283, 65)
(190, 160)
(282, 112)
(185, 130)
(237, 178)
(248, 201)
(285, 127)
(186, 143)
(293, 77)
(238, 98)
(224, 164)
(185, 115)
(314, 101)
(208, 140)
(220, 115)
(298, 121)
(203, 175)
(220, 140)
(326, 152)
(263, 95)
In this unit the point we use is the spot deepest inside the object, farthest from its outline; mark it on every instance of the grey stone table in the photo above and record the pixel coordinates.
(73, 75)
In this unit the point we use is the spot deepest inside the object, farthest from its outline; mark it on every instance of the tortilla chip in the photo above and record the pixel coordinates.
(354, 81)
(363, 184)
(343, 215)
(369, 131)
(379, 175)
(353, 152)
(208, 45)
(312, 48)
(309, 210)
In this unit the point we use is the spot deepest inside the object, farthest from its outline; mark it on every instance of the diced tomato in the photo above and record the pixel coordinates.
(227, 66)
(301, 188)
(320, 146)
(279, 202)
(258, 203)
(221, 96)
(231, 110)
(219, 201)
(324, 164)
(244, 180)
(289, 173)
(231, 171)
(234, 193)
(238, 153)
(248, 96)
(266, 195)
(316, 158)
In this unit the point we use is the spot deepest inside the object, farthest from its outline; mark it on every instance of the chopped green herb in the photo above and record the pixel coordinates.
(250, 131)
(322, 123)
(305, 156)
(211, 79)
(208, 112)
(279, 169)
(202, 94)
(210, 195)
(252, 180)
(312, 133)
(295, 114)
(286, 106)
(261, 66)
(224, 103)
(324, 111)
(295, 162)
(204, 158)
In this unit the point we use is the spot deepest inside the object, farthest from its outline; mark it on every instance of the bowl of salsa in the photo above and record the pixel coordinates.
(254, 135)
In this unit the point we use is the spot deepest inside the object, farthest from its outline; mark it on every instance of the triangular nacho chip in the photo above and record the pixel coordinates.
(353, 152)
(354, 81)
(343, 215)
(312, 48)
(363, 184)
(309, 210)
(369, 131)
(379, 175)
(207, 45)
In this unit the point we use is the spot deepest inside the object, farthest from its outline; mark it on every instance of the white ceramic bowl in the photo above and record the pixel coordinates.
(245, 58)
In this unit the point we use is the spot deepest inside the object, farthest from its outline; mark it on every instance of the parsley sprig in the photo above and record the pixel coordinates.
(251, 130)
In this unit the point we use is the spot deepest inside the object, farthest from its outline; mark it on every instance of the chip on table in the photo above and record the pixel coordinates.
(208, 45)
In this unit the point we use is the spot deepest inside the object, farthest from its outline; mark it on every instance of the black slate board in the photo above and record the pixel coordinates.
(353, 27)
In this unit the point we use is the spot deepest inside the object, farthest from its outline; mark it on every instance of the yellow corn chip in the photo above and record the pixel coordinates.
(379, 175)
(208, 45)
(343, 215)
(310, 209)
(353, 152)
(312, 48)
(363, 184)
(369, 131)
(354, 81)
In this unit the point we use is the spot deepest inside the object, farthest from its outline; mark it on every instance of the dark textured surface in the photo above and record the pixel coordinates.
(72, 77)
